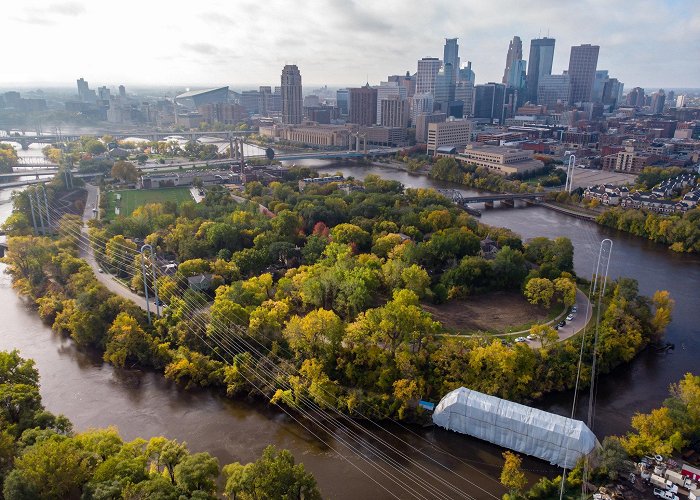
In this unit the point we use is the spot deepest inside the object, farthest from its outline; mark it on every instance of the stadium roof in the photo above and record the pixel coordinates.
(559, 440)
(194, 93)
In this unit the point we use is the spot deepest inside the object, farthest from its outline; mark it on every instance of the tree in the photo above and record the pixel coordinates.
(566, 289)
(125, 171)
(316, 335)
(512, 477)
(273, 475)
(119, 253)
(350, 234)
(166, 454)
(197, 472)
(545, 334)
(612, 457)
(127, 342)
(539, 291)
(663, 305)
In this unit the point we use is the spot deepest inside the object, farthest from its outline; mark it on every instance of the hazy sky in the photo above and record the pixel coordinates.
(207, 42)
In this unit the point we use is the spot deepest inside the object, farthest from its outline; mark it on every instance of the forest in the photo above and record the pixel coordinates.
(321, 304)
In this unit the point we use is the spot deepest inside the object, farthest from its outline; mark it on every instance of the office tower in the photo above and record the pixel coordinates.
(104, 93)
(122, 91)
(582, 65)
(264, 101)
(553, 89)
(612, 92)
(464, 91)
(363, 106)
(84, 92)
(466, 74)
(451, 55)
(540, 63)
(681, 101)
(394, 112)
(250, 99)
(428, 68)
(516, 78)
(515, 53)
(420, 104)
(292, 109)
(406, 81)
(658, 99)
(489, 102)
(451, 133)
(385, 91)
(445, 87)
(601, 78)
(636, 97)
(670, 98)
(342, 98)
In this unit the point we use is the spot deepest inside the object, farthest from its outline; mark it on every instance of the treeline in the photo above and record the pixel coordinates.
(449, 169)
(680, 232)
(664, 431)
(41, 457)
(323, 301)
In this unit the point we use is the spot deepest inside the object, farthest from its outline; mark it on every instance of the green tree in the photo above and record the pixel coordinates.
(197, 472)
(545, 334)
(316, 335)
(565, 288)
(125, 171)
(127, 342)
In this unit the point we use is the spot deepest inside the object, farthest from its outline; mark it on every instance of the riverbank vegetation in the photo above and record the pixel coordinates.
(450, 170)
(41, 457)
(323, 301)
(664, 431)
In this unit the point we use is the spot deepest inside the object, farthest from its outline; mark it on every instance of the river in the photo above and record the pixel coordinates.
(93, 394)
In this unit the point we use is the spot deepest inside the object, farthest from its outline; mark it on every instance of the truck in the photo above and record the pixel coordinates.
(663, 483)
(680, 480)
(666, 495)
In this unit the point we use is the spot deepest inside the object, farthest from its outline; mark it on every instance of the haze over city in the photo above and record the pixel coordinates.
(335, 42)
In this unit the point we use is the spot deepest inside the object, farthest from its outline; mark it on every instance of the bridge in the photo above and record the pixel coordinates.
(508, 199)
(25, 140)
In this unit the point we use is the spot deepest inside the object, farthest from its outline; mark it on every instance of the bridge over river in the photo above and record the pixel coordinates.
(488, 200)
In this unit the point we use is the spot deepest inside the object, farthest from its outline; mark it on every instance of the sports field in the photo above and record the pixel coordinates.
(132, 198)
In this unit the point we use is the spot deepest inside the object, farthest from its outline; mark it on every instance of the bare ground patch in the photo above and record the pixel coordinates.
(494, 312)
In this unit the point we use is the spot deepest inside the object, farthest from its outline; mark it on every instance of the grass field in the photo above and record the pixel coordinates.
(132, 198)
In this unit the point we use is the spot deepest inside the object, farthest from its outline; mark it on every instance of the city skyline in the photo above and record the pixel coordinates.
(355, 43)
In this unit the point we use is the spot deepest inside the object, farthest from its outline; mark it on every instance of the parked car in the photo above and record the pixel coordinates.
(561, 323)
(521, 339)
(569, 317)
(531, 337)
(574, 310)
(667, 495)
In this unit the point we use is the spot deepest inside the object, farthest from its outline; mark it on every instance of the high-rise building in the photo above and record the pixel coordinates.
(636, 97)
(451, 55)
(420, 104)
(515, 53)
(489, 102)
(342, 98)
(466, 74)
(363, 106)
(516, 78)
(292, 103)
(394, 111)
(84, 92)
(452, 133)
(250, 99)
(423, 120)
(264, 101)
(464, 91)
(406, 81)
(658, 99)
(385, 91)
(612, 92)
(445, 87)
(553, 90)
(539, 63)
(122, 91)
(428, 68)
(601, 78)
(582, 66)
(681, 101)
(104, 93)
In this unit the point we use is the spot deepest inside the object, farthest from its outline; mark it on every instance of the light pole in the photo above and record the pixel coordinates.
(570, 174)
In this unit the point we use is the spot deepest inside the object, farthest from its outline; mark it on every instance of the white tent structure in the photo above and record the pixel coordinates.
(559, 440)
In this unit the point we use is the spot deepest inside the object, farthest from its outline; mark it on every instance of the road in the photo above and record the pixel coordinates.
(106, 279)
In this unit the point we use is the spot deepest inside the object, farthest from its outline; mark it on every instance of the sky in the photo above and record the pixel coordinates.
(197, 43)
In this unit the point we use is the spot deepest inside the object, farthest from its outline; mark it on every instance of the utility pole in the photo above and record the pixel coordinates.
(31, 206)
(38, 208)
(46, 206)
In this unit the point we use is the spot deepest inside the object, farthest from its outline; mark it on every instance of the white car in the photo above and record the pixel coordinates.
(531, 337)
(569, 317)
(667, 495)
(521, 339)
(574, 309)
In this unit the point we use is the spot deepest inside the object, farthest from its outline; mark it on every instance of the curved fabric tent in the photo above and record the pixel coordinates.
(559, 440)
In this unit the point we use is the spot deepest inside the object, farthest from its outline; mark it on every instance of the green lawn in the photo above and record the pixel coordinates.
(132, 198)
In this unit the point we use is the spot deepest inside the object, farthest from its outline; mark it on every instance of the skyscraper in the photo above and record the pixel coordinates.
(451, 55)
(489, 102)
(292, 103)
(394, 112)
(540, 63)
(658, 99)
(553, 90)
(428, 68)
(445, 87)
(385, 91)
(466, 74)
(342, 97)
(464, 91)
(582, 66)
(636, 97)
(363, 106)
(515, 53)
